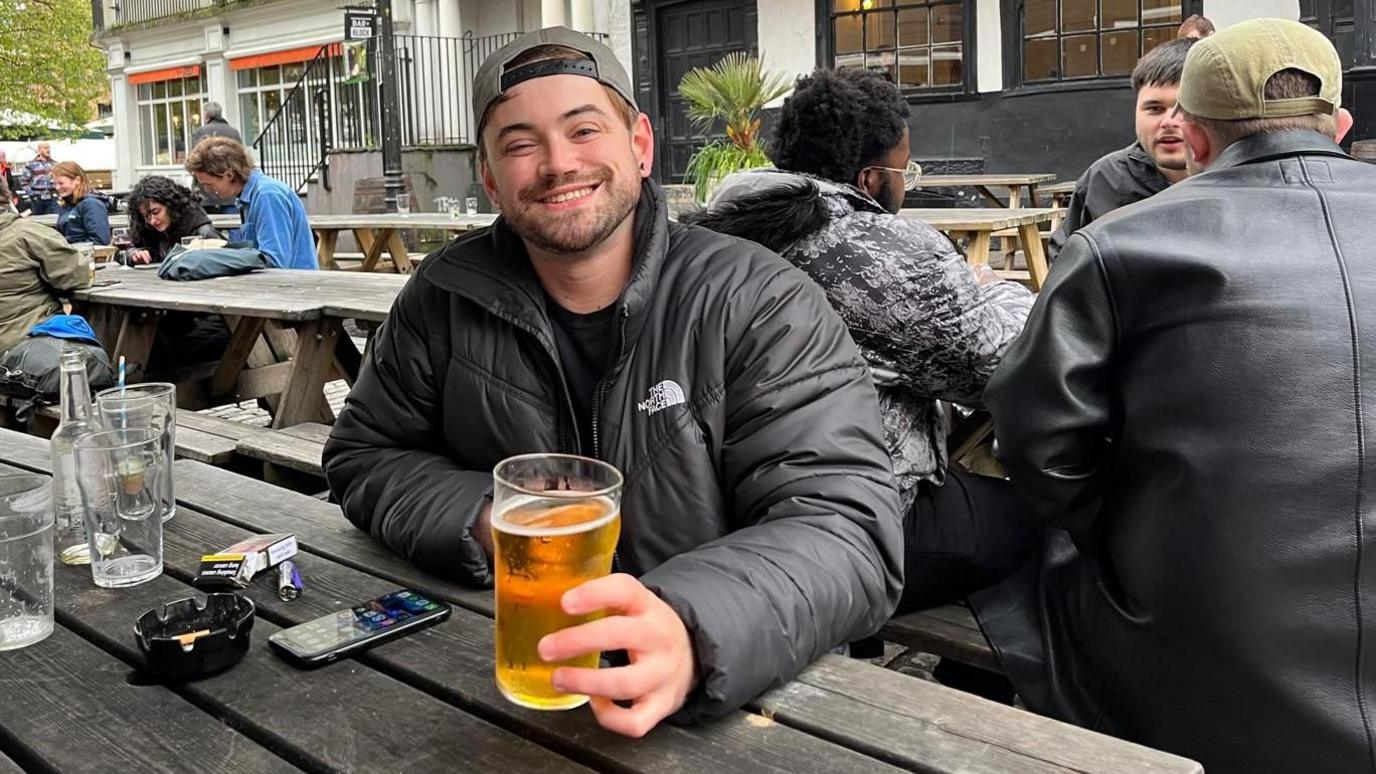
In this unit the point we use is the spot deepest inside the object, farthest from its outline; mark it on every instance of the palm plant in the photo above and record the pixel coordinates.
(733, 90)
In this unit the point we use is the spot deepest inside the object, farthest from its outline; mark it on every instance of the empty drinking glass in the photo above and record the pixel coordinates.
(470, 205)
(151, 404)
(26, 560)
(120, 476)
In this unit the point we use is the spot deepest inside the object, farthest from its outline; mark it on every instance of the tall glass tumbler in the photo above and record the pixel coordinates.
(556, 519)
(120, 475)
(151, 404)
(26, 560)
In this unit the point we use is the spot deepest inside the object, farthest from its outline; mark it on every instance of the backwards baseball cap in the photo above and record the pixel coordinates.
(1226, 73)
(494, 78)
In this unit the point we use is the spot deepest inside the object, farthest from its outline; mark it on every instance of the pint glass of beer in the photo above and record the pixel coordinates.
(555, 522)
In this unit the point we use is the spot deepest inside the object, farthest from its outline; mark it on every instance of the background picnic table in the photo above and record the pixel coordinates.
(427, 702)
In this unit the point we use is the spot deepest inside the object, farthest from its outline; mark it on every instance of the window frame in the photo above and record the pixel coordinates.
(146, 109)
(1013, 40)
(966, 89)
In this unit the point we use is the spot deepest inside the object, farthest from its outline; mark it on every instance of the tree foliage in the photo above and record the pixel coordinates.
(48, 64)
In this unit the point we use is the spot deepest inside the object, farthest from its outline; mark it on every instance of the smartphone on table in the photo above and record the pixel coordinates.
(344, 633)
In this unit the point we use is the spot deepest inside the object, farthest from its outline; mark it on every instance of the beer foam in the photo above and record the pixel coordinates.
(554, 505)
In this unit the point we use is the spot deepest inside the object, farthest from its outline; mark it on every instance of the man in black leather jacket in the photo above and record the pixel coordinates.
(1188, 406)
(759, 516)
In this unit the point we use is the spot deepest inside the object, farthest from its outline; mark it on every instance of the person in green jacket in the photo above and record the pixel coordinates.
(37, 267)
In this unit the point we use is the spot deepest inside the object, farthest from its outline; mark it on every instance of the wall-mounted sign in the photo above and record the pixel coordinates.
(359, 25)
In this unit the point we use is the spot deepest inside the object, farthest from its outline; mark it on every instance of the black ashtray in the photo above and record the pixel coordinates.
(190, 639)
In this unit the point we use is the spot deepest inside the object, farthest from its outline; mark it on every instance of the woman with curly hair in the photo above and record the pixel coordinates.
(161, 212)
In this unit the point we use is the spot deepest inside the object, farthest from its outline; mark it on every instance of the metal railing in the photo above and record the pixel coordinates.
(431, 78)
(296, 140)
(135, 11)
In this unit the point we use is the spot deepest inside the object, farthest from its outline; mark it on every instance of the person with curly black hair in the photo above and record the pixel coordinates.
(930, 327)
(161, 212)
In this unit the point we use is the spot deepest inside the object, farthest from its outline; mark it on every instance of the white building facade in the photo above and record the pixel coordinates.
(166, 58)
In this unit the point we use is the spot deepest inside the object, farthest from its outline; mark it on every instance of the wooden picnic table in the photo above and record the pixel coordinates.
(980, 224)
(427, 702)
(121, 220)
(287, 331)
(1015, 183)
(379, 232)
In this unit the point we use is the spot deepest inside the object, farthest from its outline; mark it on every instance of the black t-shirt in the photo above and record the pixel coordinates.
(585, 343)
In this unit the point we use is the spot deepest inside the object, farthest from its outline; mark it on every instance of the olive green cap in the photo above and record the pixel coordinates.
(494, 78)
(1226, 73)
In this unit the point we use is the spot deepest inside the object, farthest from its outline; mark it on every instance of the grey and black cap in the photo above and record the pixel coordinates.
(494, 78)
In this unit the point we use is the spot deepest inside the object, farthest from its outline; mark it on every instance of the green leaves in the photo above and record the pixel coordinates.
(51, 68)
(733, 90)
(712, 162)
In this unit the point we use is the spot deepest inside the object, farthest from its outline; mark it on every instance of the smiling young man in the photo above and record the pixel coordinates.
(760, 520)
(1152, 163)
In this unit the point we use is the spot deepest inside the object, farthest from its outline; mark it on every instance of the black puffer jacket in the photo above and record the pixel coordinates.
(759, 504)
(1190, 403)
(1116, 180)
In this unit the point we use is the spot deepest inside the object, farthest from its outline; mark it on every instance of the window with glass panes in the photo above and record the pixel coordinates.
(169, 111)
(1074, 39)
(263, 91)
(918, 44)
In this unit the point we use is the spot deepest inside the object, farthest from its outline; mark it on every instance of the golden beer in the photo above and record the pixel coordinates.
(542, 547)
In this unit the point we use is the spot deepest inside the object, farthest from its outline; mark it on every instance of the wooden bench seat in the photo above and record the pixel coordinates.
(291, 456)
(949, 632)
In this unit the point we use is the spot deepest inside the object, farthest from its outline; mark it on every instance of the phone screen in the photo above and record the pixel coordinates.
(375, 619)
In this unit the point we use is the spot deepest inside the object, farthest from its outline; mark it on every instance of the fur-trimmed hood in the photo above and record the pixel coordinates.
(777, 209)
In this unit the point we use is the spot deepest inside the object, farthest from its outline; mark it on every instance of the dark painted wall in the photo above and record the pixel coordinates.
(1060, 132)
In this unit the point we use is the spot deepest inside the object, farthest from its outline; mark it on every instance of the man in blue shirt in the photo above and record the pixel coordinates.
(274, 218)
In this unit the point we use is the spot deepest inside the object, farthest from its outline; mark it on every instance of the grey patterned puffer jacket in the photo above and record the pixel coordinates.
(929, 331)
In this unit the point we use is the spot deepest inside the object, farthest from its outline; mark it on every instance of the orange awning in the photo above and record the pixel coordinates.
(289, 56)
(165, 74)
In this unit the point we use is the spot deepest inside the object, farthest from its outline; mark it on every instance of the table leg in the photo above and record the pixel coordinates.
(347, 359)
(978, 251)
(241, 343)
(372, 247)
(324, 250)
(1032, 195)
(988, 194)
(303, 398)
(135, 342)
(401, 260)
(1031, 237)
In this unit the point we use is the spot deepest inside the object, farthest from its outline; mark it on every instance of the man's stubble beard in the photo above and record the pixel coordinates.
(575, 231)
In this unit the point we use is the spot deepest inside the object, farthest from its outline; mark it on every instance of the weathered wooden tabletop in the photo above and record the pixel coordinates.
(427, 702)
(961, 181)
(121, 220)
(970, 219)
(431, 220)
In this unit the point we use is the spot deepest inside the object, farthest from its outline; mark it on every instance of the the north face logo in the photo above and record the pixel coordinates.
(663, 395)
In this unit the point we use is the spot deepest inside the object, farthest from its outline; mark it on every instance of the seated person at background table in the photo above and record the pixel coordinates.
(930, 329)
(1190, 403)
(162, 212)
(274, 219)
(1152, 163)
(82, 216)
(760, 519)
(37, 267)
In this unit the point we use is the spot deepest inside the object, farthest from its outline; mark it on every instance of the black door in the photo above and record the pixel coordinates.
(690, 34)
